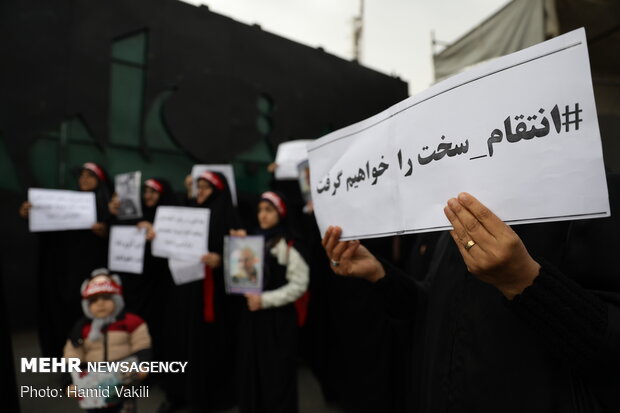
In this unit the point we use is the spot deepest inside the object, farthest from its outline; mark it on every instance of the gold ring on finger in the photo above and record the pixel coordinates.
(470, 244)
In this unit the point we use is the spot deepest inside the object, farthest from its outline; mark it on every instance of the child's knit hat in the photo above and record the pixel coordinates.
(102, 282)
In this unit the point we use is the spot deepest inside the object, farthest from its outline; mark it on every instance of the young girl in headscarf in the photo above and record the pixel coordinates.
(142, 291)
(208, 315)
(267, 378)
(64, 258)
(147, 294)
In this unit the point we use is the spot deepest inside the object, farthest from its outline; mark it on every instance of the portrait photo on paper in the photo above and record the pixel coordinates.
(243, 264)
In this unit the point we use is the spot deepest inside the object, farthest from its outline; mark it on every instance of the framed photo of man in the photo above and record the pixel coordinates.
(243, 264)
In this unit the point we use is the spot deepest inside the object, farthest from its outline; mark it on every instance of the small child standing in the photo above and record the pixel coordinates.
(107, 333)
(268, 328)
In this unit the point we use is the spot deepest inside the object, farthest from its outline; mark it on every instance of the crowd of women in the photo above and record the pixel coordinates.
(241, 350)
(405, 341)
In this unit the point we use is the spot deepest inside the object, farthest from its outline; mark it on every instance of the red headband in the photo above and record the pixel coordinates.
(213, 179)
(154, 184)
(94, 168)
(277, 202)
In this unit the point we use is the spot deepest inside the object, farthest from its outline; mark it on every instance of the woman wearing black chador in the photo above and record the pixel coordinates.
(146, 294)
(64, 258)
(267, 375)
(213, 315)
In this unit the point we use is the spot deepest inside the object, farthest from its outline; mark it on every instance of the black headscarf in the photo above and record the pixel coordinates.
(103, 191)
(223, 213)
(280, 230)
(166, 197)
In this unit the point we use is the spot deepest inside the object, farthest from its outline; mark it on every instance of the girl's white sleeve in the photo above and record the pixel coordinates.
(297, 275)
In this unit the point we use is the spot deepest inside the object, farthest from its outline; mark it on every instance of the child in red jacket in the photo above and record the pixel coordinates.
(107, 333)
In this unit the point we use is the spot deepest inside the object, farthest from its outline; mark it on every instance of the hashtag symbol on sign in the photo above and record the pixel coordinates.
(571, 117)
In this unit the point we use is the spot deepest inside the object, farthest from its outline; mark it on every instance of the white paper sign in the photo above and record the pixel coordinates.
(181, 232)
(224, 169)
(59, 210)
(127, 187)
(289, 155)
(126, 252)
(520, 133)
(184, 272)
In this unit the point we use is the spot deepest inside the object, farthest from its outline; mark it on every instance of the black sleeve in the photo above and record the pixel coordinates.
(144, 354)
(580, 326)
(65, 380)
(398, 293)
